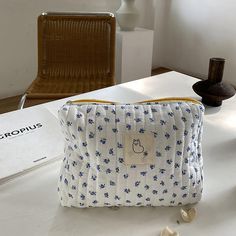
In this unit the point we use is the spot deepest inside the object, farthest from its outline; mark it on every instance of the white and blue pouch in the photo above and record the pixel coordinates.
(143, 154)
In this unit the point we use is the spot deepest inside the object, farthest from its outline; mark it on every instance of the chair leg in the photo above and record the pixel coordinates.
(22, 102)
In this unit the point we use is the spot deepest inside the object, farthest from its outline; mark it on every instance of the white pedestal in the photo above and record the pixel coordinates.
(133, 54)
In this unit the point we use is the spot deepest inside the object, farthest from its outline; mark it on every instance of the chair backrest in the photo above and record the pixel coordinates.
(77, 46)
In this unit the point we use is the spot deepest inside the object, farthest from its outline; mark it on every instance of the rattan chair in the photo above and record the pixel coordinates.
(76, 54)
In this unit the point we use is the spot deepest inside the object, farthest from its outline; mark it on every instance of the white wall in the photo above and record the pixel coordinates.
(189, 32)
(18, 35)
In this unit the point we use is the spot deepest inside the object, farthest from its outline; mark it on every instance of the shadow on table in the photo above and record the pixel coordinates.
(107, 221)
(219, 211)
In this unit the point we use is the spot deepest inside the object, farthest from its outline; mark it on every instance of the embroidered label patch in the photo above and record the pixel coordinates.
(139, 148)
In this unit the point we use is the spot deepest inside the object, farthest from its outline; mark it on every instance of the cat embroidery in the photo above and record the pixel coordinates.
(137, 147)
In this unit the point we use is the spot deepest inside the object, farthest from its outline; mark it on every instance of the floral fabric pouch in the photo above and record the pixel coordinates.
(143, 154)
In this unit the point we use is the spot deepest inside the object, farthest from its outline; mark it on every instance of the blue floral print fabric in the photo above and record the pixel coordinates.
(94, 171)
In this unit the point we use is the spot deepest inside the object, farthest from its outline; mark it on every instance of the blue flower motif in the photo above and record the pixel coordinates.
(183, 187)
(167, 135)
(137, 183)
(143, 173)
(106, 119)
(121, 160)
(169, 161)
(139, 195)
(117, 120)
(87, 165)
(84, 144)
(151, 119)
(106, 160)
(179, 142)
(98, 154)
(138, 120)
(185, 133)
(188, 110)
(112, 183)
(98, 114)
(177, 165)
(100, 128)
(117, 197)
(165, 191)
(167, 148)
(154, 110)
(141, 130)
(93, 193)
(106, 195)
(128, 114)
(175, 127)
(80, 129)
(94, 177)
(183, 119)
(162, 183)
(158, 154)
(102, 186)
(74, 163)
(179, 153)
(155, 192)
(82, 197)
(119, 145)
(115, 130)
(155, 178)
(111, 151)
(171, 114)
(146, 187)
(128, 127)
(133, 166)
(69, 123)
(127, 190)
(155, 134)
(91, 135)
(163, 122)
(152, 167)
(90, 121)
(103, 140)
(146, 112)
(126, 176)
(176, 183)
(108, 171)
(89, 109)
(162, 171)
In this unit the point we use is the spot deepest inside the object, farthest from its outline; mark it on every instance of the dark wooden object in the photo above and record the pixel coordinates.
(213, 91)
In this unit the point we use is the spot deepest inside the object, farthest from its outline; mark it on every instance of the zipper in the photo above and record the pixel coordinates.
(169, 99)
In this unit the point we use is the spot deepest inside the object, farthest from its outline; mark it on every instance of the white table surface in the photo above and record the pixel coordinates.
(29, 204)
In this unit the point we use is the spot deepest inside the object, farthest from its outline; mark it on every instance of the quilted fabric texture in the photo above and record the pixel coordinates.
(99, 168)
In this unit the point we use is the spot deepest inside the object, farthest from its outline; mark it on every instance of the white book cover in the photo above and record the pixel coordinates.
(28, 138)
